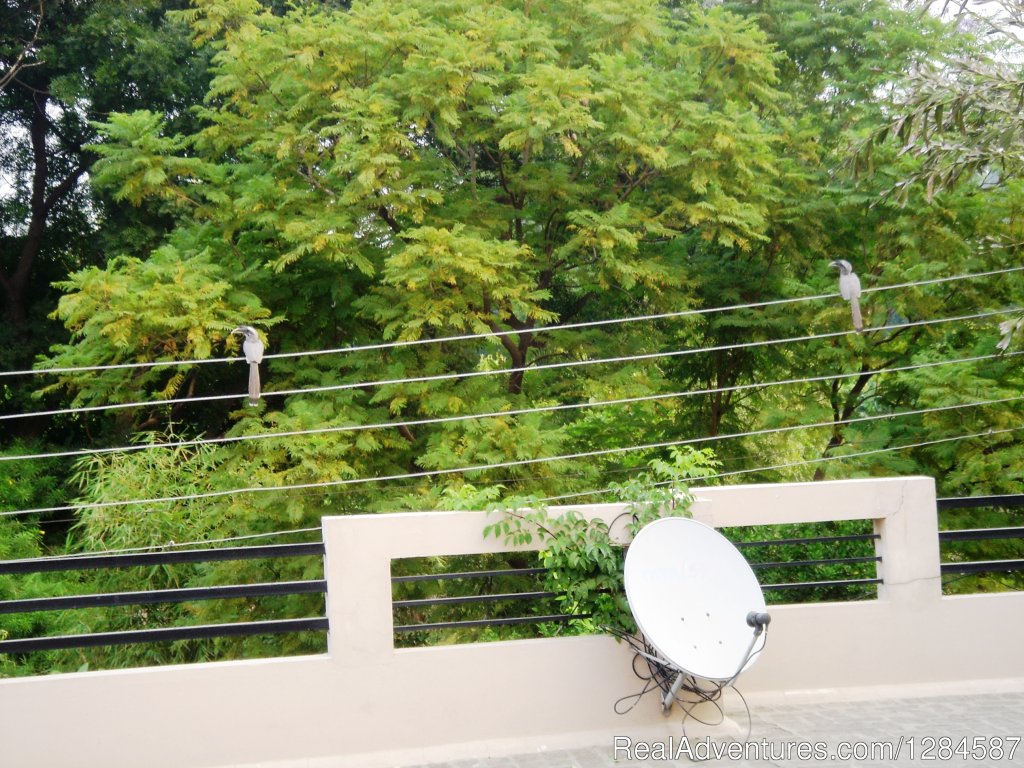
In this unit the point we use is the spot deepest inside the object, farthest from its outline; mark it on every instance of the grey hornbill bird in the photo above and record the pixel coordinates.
(849, 289)
(252, 348)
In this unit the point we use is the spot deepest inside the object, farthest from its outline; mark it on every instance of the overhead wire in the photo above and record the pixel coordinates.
(519, 369)
(510, 332)
(501, 465)
(699, 482)
(654, 397)
(180, 544)
(494, 414)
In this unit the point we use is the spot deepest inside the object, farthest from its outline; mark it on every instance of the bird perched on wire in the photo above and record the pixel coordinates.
(1008, 328)
(252, 348)
(849, 289)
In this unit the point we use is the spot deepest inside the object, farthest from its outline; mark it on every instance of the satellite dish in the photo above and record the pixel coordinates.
(696, 600)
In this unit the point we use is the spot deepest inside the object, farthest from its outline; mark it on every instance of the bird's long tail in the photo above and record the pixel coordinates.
(254, 383)
(858, 321)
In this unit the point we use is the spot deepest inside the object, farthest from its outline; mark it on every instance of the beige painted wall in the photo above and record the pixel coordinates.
(368, 704)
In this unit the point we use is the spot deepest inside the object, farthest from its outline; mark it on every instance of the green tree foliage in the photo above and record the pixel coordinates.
(585, 557)
(449, 168)
(168, 307)
(20, 487)
(843, 64)
(960, 115)
(456, 167)
(63, 65)
(85, 60)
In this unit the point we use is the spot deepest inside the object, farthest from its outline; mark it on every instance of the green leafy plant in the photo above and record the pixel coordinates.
(585, 556)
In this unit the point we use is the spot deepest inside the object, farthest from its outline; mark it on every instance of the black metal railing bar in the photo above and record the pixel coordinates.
(463, 599)
(808, 540)
(468, 575)
(823, 561)
(538, 571)
(560, 617)
(821, 584)
(74, 563)
(968, 502)
(153, 596)
(982, 534)
(983, 566)
(165, 634)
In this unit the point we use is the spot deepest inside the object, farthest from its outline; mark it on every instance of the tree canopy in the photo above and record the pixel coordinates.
(341, 176)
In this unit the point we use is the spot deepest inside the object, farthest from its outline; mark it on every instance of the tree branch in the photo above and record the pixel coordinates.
(389, 219)
(19, 63)
(66, 185)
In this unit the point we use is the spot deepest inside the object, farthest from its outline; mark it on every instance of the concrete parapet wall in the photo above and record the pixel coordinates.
(366, 703)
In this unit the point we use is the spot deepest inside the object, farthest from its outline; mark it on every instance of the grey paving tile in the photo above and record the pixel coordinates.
(876, 725)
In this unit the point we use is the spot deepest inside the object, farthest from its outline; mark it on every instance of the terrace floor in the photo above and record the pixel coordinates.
(878, 725)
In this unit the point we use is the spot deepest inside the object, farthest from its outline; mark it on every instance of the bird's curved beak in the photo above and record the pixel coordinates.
(238, 330)
(834, 264)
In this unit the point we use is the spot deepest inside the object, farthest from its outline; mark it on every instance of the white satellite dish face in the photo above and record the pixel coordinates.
(690, 591)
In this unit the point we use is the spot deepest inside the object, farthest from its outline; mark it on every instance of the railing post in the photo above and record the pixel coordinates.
(908, 544)
(357, 566)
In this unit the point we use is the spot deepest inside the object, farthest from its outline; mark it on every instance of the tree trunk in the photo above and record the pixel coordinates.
(849, 404)
(517, 352)
(516, 349)
(14, 285)
(834, 442)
